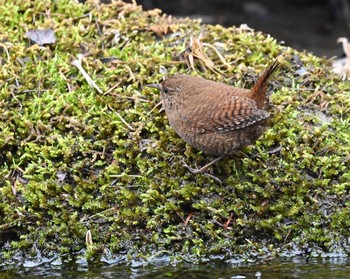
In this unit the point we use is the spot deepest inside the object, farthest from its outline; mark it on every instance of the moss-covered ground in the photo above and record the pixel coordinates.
(74, 160)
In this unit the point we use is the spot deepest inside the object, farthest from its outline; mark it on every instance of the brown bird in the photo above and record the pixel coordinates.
(213, 117)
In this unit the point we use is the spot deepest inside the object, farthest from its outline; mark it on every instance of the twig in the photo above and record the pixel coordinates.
(157, 105)
(219, 55)
(112, 88)
(130, 71)
(228, 222)
(122, 119)
(188, 219)
(77, 63)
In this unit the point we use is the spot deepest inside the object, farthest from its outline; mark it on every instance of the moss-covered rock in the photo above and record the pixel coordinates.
(73, 159)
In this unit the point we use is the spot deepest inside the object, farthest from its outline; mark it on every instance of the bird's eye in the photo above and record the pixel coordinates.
(166, 90)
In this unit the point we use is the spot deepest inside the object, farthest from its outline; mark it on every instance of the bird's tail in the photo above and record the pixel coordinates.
(260, 87)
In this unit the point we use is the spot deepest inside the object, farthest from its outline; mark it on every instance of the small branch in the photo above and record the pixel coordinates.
(122, 119)
(77, 63)
(112, 88)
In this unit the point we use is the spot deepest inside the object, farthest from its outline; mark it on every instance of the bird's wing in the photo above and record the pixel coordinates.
(223, 114)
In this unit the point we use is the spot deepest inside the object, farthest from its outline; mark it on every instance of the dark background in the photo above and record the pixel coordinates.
(313, 25)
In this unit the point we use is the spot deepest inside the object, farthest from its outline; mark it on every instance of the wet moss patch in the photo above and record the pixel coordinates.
(74, 160)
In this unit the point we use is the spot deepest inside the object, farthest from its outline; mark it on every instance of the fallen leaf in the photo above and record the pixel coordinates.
(160, 29)
(41, 37)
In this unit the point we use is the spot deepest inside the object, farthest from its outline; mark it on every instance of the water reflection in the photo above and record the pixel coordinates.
(319, 268)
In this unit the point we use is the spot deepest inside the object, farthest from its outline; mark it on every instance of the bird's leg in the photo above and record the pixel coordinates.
(203, 169)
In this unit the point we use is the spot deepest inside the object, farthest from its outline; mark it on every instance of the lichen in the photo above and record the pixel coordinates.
(74, 160)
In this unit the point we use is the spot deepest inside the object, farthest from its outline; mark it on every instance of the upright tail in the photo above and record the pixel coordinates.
(260, 87)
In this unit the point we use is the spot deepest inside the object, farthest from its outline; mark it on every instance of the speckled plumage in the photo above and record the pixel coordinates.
(214, 117)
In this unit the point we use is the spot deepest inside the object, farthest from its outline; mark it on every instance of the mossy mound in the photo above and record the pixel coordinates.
(73, 159)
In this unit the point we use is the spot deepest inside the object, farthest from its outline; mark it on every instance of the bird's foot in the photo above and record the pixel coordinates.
(203, 169)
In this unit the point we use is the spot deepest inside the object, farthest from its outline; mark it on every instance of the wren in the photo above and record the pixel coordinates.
(214, 117)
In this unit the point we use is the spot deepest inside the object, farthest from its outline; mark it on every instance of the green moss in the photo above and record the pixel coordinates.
(74, 160)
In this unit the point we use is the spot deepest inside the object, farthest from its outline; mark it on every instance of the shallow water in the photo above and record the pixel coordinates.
(293, 268)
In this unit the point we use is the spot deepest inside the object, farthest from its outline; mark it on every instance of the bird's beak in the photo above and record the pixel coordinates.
(154, 85)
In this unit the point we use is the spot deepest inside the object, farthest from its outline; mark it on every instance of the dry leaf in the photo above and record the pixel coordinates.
(160, 29)
(41, 37)
(196, 51)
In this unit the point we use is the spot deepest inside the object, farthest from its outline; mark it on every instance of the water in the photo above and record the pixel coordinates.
(319, 268)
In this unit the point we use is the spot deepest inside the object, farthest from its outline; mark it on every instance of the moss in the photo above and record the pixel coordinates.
(74, 160)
